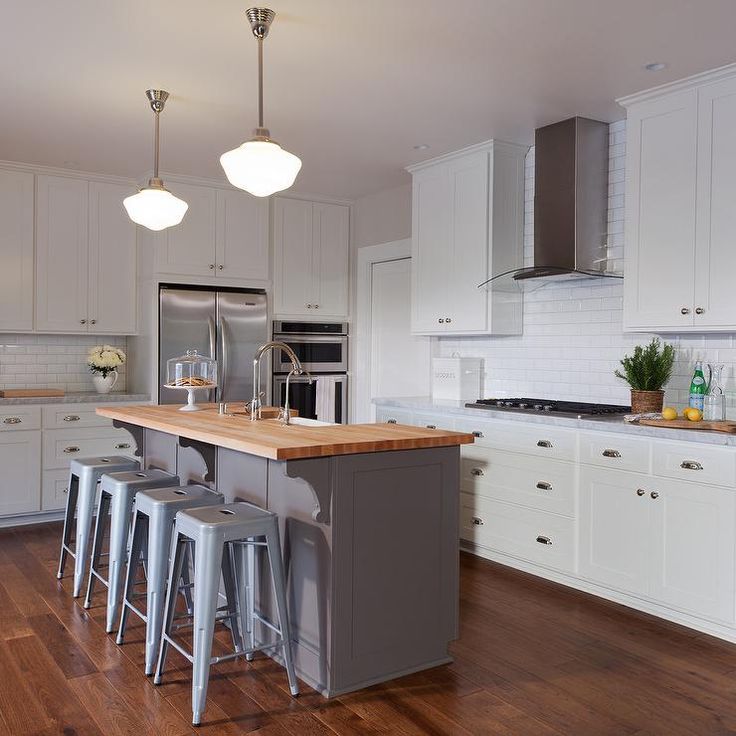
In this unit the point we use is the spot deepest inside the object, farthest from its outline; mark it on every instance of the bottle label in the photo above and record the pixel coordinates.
(698, 380)
(696, 401)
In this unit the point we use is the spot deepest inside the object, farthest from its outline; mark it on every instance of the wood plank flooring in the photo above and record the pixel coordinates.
(532, 658)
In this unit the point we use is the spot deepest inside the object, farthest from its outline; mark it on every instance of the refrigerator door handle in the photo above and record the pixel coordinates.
(224, 357)
(213, 353)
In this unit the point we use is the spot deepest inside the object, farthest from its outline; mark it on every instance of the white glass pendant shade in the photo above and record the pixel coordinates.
(260, 167)
(155, 208)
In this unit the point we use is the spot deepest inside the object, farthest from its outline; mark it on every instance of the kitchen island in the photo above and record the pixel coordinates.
(369, 523)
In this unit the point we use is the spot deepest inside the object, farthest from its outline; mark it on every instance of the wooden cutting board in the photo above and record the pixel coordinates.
(729, 427)
(29, 393)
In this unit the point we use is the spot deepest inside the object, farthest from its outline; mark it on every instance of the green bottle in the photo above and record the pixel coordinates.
(698, 388)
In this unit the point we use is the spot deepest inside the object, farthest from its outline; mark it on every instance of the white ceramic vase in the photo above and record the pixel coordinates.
(104, 384)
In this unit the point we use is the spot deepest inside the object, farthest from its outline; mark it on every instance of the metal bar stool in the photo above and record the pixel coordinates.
(153, 525)
(222, 536)
(84, 475)
(117, 494)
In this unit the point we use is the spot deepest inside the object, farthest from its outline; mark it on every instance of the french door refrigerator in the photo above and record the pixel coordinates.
(226, 324)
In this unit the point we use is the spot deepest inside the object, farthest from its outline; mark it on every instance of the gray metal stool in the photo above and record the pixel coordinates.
(222, 536)
(153, 526)
(117, 493)
(84, 475)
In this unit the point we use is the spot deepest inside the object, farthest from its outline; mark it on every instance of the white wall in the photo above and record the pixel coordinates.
(383, 217)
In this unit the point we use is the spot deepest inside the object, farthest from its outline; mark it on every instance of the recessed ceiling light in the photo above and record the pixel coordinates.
(421, 147)
(655, 66)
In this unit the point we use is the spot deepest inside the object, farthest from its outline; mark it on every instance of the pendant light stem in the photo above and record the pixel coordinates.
(260, 81)
(155, 144)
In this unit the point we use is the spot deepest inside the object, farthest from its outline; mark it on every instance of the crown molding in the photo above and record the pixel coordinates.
(486, 146)
(70, 173)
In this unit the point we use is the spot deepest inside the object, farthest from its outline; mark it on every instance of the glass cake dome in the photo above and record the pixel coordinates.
(190, 372)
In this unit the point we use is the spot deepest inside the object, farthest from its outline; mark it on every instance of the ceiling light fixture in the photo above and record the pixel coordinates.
(260, 165)
(154, 206)
(421, 147)
(655, 66)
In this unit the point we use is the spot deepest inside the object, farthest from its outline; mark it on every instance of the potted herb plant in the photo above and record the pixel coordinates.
(103, 361)
(647, 371)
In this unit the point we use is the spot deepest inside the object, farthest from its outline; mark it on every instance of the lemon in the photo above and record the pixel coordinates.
(669, 413)
(694, 415)
(686, 412)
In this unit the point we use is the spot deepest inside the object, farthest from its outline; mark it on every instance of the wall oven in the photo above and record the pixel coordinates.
(322, 348)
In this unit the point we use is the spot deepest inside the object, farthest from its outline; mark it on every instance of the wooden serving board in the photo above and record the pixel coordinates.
(29, 393)
(729, 427)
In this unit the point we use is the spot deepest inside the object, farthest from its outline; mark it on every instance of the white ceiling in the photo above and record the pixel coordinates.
(351, 85)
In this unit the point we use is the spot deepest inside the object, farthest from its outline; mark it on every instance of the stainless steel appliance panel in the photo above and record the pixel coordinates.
(317, 353)
(303, 395)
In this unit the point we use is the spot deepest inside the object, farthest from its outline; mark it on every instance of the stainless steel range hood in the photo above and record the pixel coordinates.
(570, 202)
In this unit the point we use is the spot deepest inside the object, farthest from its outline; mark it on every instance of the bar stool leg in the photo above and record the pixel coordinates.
(85, 510)
(138, 534)
(101, 524)
(66, 537)
(186, 581)
(159, 527)
(228, 578)
(206, 592)
(250, 552)
(119, 536)
(279, 585)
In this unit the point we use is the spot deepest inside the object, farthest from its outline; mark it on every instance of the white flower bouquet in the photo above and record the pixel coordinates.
(104, 359)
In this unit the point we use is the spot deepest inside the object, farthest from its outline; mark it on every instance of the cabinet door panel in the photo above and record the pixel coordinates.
(660, 212)
(330, 224)
(242, 236)
(20, 459)
(431, 233)
(715, 262)
(614, 529)
(189, 248)
(112, 259)
(694, 555)
(16, 245)
(61, 254)
(293, 257)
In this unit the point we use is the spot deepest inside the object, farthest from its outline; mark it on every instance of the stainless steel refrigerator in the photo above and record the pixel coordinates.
(226, 324)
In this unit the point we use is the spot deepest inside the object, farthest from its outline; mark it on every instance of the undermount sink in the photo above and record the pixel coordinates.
(304, 422)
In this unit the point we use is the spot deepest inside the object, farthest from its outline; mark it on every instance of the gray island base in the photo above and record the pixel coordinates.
(370, 548)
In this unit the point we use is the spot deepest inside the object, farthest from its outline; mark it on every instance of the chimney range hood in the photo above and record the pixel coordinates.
(570, 202)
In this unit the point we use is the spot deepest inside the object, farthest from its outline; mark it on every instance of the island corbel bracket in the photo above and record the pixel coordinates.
(207, 452)
(135, 430)
(317, 474)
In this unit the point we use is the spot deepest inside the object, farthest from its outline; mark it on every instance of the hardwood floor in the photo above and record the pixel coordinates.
(532, 658)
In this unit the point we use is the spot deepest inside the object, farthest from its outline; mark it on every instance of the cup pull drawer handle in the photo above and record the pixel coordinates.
(544, 540)
(122, 446)
(391, 421)
(611, 453)
(544, 486)
(476, 471)
(12, 420)
(71, 418)
(640, 492)
(691, 465)
(431, 426)
(477, 521)
(478, 434)
(71, 449)
(544, 443)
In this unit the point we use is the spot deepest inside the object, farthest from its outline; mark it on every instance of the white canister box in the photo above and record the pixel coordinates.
(456, 379)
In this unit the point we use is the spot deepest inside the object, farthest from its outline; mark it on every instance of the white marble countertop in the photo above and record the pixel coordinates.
(87, 397)
(599, 423)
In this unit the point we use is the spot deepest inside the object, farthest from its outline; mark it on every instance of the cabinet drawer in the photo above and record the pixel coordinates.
(534, 439)
(60, 446)
(547, 485)
(20, 417)
(615, 451)
(70, 416)
(694, 462)
(54, 489)
(535, 536)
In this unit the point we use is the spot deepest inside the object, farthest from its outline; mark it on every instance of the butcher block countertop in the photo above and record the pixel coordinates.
(271, 439)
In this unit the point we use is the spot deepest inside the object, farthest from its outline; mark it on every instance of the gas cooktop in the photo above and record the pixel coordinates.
(549, 406)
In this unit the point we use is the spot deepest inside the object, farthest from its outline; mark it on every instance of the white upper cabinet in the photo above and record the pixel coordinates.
(467, 224)
(85, 257)
(16, 245)
(311, 258)
(680, 219)
(224, 234)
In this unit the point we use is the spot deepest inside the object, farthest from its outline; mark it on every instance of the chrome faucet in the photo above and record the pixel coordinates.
(296, 369)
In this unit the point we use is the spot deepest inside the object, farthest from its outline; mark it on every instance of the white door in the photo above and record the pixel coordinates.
(715, 256)
(694, 548)
(399, 361)
(660, 212)
(62, 263)
(112, 261)
(431, 252)
(467, 305)
(188, 249)
(242, 236)
(293, 276)
(16, 245)
(615, 510)
(20, 460)
(330, 227)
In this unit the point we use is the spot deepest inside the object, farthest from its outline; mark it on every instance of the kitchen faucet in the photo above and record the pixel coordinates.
(296, 369)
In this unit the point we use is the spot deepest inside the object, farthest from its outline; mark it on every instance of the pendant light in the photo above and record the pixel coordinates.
(260, 165)
(154, 206)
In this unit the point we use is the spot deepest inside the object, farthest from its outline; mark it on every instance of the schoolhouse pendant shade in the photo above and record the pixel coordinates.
(154, 206)
(260, 166)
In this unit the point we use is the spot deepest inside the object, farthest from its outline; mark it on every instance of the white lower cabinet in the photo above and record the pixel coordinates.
(54, 489)
(20, 460)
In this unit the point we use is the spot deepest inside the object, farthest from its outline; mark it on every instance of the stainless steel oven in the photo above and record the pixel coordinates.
(326, 398)
(322, 347)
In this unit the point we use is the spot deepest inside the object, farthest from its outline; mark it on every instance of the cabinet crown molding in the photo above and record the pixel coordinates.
(679, 85)
(69, 173)
(488, 146)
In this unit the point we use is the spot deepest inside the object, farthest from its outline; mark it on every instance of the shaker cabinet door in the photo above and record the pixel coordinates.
(242, 236)
(330, 223)
(20, 459)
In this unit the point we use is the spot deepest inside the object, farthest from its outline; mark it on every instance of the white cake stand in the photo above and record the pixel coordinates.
(191, 404)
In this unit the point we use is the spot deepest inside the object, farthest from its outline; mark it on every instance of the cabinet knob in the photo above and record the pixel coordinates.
(212, 266)
(654, 495)
(476, 471)
(12, 420)
(71, 418)
(544, 443)
(544, 486)
(640, 492)
(448, 320)
(316, 306)
(477, 521)
(543, 540)
(93, 321)
(699, 310)
(221, 267)
(82, 321)
(685, 310)
(611, 453)
(65, 490)
(441, 321)
(691, 465)
(309, 306)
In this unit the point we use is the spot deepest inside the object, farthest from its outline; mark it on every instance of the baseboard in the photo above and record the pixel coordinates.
(35, 518)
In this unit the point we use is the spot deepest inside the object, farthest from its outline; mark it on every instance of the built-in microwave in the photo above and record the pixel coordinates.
(322, 347)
